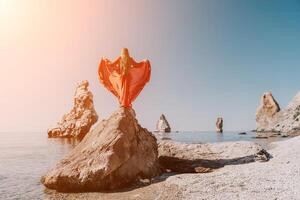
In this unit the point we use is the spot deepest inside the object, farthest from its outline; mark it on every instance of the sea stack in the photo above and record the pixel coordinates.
(266, 115)
(77, 123)
(163, 125)
(219, 125)
(115, 154)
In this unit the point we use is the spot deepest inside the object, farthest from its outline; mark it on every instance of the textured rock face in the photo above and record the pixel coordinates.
(201, 158)
(286, 121)
(266, 113)
(219, 125)
(276, 179)
(79, 120)
(289, 119)
(163, 125)
(116, 153)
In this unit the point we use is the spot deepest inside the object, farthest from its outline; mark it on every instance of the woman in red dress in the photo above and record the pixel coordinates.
(124, 77)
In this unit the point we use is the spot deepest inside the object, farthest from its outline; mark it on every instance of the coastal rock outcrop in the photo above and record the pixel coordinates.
(116, 153)
(219, 125)
(276, 179)
(163, 125)
(289, 118)
(285, 122)
(77, 123)
(201, 158)
(266, 113)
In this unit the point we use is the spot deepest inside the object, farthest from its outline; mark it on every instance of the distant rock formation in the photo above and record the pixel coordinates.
(116, 153)
(163, 125)
(77, 123)
(219, 125)
(266, 113)
(269, 118)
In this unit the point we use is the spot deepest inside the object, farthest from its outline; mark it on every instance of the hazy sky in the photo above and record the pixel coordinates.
(209, 58)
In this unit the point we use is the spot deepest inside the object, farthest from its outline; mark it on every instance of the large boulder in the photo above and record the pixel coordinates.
(219, 125)
(163, 125)
(77, 123)
(266, 113)
(116, 153)
(286, 122)
(201, 158)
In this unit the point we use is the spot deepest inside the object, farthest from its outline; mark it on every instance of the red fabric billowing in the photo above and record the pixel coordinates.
(125, 86)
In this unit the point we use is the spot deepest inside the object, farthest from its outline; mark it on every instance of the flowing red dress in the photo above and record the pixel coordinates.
(125, 86)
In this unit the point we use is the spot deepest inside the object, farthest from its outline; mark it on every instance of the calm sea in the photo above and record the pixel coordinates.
(25, 157)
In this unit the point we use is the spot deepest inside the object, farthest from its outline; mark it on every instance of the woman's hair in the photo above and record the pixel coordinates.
(125, 61)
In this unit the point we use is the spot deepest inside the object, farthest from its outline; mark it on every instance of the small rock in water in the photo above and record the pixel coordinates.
(163, 125)
(219, 125)
(242, 133)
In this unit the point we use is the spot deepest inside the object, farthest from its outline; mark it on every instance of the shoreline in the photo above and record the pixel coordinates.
(243, 181)
(275, 179)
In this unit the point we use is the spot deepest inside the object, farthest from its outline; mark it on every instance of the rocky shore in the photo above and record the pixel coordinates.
(276, 179)
(272, 121)
(119, 159)
(202, 158)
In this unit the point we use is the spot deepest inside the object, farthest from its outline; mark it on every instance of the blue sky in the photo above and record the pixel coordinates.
(220, 56)
(209, 58)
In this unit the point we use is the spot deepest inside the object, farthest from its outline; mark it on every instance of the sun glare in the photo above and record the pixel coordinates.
(6, 8)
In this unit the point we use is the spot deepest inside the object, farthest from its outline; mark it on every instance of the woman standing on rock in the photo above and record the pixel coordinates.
(124, 77)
